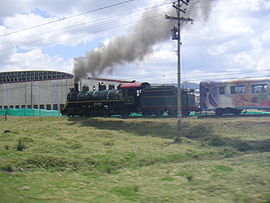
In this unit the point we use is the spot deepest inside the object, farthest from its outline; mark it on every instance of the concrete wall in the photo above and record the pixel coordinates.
(46, 94)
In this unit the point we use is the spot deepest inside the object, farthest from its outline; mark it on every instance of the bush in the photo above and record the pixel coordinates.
(197, 131)
(20, 146)
(52, 162)
(8, 168)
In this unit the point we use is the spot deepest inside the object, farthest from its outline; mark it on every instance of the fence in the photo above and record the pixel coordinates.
(29, 112)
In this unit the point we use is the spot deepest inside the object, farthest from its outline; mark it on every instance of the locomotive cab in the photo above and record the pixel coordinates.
(130, 93)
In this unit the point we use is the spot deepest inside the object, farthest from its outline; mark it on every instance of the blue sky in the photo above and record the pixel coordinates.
(229, 39)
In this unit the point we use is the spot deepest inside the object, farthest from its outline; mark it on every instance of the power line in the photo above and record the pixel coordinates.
(91, 24)
(205, 75)
(75, 25)
(114, 28)
(65, 18)
(101, 9)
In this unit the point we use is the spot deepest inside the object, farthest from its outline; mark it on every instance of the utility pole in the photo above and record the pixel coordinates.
(176, 36)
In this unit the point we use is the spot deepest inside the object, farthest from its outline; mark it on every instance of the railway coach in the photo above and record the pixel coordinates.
(235, 96)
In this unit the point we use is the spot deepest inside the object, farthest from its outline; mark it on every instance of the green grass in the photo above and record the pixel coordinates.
(134, 160)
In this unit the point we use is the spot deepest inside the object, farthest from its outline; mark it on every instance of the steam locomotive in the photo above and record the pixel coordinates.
(127, 98)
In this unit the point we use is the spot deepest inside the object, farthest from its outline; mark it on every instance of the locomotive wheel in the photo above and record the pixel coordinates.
(185, 113)
(124, 113)
(147, 112)
(172, 113)
(159, 113)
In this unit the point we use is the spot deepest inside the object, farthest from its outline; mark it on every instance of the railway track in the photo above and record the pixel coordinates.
(231, 115)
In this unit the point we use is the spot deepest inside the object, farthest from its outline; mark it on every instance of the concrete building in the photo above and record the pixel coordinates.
(34, 89)
(41, 89)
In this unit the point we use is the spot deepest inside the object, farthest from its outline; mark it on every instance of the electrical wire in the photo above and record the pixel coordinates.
(91, 11)
(258, 1)
(90, 24)
(65, 18)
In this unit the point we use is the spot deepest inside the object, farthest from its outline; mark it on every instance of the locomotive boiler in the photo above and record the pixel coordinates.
(127, 98)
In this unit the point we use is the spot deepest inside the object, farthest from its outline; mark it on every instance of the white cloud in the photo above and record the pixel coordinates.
(36, 60)
(263, 63)
(235, 37)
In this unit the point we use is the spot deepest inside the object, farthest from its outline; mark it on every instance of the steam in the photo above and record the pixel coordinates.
(150, 30)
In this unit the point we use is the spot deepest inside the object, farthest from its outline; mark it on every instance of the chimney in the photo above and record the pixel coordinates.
(76, 87)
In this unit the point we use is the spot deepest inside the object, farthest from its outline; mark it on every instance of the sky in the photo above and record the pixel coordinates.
(228, 39)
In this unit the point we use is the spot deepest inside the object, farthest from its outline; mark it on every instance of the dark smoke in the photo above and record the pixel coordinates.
(150, 30)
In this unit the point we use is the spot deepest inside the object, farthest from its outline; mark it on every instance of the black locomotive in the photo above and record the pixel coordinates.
(127, 98)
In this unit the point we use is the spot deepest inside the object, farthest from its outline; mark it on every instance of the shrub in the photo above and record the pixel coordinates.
(75, 145)
(20, 146)
(52, 162)
(197, 131)
(8, 168)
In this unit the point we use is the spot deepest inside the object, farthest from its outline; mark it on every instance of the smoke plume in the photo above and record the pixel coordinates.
(150, 30)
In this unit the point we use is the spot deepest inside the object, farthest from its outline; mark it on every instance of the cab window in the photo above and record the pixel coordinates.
(128, 92)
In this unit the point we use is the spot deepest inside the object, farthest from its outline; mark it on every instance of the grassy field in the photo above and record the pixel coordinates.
(104, 160)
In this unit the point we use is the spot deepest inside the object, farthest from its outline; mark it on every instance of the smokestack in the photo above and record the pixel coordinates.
(150, 30)
(76, 87)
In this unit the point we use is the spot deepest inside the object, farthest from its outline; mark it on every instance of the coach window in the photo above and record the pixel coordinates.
(237, 89)
(259, 88)
(5, 107)
(17, 107)
(35, 106)
(1, 107)
(22, 106)
(221, 90)
(29, 106)
(11, 106)
(48, 107)
(41, 106)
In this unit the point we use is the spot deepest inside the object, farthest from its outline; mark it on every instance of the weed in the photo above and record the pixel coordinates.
(187, 174)
(167, 179)
(20, 145)
(104, 163)
(26, 139)
(189, 177)
(75, 145)
(127, 192)
(217, 142)
(109, 143)
(243, 147)
(222, 168)
(227, 153)
(267, 199)
(197, 131)
(8, 168)
(52, 162)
